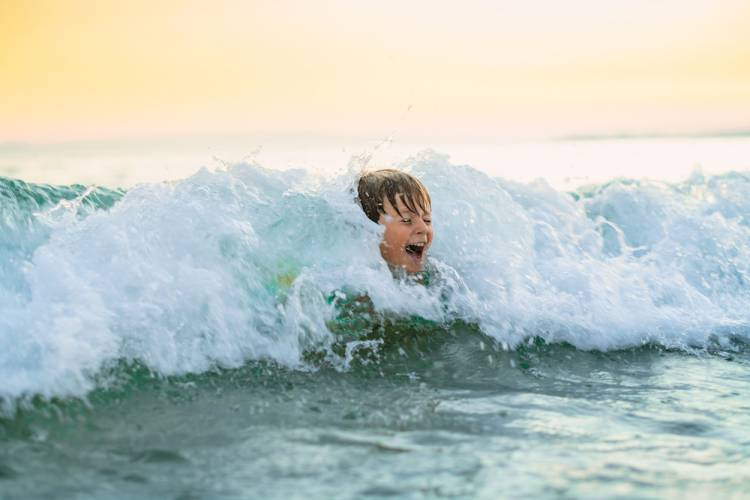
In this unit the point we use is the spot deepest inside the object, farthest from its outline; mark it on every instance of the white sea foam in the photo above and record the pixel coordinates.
(186, 276)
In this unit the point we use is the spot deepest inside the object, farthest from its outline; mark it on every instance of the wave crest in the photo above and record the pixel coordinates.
(235, 265)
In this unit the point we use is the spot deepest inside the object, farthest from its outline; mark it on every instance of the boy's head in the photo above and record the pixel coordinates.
(402, 204)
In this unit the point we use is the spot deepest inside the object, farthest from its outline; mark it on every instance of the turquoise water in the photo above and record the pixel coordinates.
(174, 340)
(447, 419)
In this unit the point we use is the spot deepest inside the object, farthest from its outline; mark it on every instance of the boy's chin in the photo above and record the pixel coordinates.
(402, 271)
(408, 264)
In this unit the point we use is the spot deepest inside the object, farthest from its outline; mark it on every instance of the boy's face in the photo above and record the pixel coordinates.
(407, 236)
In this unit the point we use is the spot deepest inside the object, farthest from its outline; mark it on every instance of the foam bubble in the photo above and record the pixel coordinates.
(234, 265)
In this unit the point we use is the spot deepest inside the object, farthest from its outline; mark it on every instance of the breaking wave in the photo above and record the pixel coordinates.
(236, 265)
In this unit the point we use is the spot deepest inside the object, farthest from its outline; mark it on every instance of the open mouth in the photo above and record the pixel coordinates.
(415, 249)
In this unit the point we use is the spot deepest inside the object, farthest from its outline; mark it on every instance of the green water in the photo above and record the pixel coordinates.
(438, 410)
(453, 417)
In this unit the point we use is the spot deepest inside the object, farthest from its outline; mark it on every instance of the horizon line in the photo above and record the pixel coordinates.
(233, 136)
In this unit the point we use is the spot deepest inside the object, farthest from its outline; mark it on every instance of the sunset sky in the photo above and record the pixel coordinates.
(469, 70)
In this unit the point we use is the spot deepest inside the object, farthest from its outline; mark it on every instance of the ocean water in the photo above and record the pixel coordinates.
(178, 339)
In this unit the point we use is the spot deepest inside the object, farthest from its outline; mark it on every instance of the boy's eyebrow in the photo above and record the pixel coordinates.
(415, 213)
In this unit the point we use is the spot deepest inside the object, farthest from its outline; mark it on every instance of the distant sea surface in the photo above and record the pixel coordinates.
(563, 163)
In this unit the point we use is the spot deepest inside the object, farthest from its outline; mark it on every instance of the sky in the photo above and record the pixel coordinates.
(474, 70)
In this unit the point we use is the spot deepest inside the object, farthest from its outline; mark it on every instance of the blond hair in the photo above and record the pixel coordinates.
(376, 186)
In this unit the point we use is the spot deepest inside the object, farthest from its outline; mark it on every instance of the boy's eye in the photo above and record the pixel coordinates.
(427, 221)
(406, 221)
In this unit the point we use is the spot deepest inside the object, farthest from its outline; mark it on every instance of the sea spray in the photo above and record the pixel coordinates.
(239, 264)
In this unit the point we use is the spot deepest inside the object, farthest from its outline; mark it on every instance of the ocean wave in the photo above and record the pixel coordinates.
(236, 265)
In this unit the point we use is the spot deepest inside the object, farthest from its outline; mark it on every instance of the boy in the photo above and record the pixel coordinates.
(402, 204)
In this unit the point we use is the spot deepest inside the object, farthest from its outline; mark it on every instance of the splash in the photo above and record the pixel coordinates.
(240, 264)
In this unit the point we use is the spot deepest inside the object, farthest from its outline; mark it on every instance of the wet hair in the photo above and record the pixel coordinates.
(376, 186)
